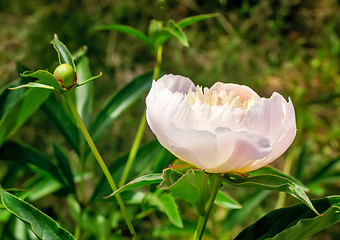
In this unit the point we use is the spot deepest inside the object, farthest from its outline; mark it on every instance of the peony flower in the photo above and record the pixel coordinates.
(227, 128)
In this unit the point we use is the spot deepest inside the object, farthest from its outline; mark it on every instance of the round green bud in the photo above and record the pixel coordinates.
(65, 75)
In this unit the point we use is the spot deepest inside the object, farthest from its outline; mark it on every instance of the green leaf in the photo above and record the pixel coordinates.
(192, 186)
(34, 85)
(296, 222)
(126, 29)
(89, 80)
(274, 171)
(64, 55)
(65, 167)
(41, 225)
(225, 201)
(119, 102)
(41, 187)
(21, 111)
(84, 95)
(30, 157)
(44, 77)
(165, 203)
(190, 20)
(270, 182)
(140, 181)
(177, 32)
(58, 117)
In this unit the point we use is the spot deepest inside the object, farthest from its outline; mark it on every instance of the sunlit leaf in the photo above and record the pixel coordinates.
(126, 29)
(192, 186)
(140, 181)
(21, 111)
(270, 182)
(177, 32)
(296, 222)
(190, 20)
(225, 201)
(64, 55)
(41, 225)
(45, 78)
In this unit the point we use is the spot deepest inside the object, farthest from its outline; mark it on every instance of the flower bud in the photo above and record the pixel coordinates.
(65, 75)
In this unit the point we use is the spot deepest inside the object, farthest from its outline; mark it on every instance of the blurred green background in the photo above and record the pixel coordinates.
(292, 47)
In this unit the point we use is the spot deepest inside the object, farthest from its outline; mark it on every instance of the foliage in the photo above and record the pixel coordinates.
(291, 47)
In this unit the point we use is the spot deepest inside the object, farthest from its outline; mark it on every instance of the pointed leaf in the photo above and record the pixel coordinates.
(84, 95)
(225, 201)
(165, 203)
(89, 80)
(270, 182)
(64, 55)
(126, 29)
(44, 77)
(274, 171)
(192, 186)
(41, 225)
(190, 20)
(296, 222)
(34, 85)
(21, 111)
(140, 181)
(119, 102)
(177, 32)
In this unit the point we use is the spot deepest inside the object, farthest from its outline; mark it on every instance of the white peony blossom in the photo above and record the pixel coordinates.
(227, 128)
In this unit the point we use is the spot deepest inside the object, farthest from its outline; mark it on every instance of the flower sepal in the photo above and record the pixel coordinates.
(46, 80)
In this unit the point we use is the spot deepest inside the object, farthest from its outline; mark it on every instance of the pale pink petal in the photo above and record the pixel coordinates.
(244, 92)
(221, 151)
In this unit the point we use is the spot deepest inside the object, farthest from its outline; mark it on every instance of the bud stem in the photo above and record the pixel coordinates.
(100, 162)
(215, 183)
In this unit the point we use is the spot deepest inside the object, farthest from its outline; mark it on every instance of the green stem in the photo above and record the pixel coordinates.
(100, 162)
(141, 128)
(282, 196)
(215, 182)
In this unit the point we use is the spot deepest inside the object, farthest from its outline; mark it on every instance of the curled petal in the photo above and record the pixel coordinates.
(221, 151)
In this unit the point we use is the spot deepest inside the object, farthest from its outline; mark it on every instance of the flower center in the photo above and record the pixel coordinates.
(216, 98)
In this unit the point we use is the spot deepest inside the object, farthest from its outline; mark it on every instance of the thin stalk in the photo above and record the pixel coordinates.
(100, 162)
(216, 181)
(286, 170)
(141, 128)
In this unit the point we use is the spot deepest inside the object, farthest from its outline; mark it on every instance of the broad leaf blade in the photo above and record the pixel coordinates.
(190, 20)
(45, 78)
(41, 225)
(274, 171)
(21, 111)
(225, 201)
(296, 222)
(176, 31)
(119, 102)
(270, 182)
(84, 94)
(192, 186)
(126, 29)
(140, 181)
(64, 55)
